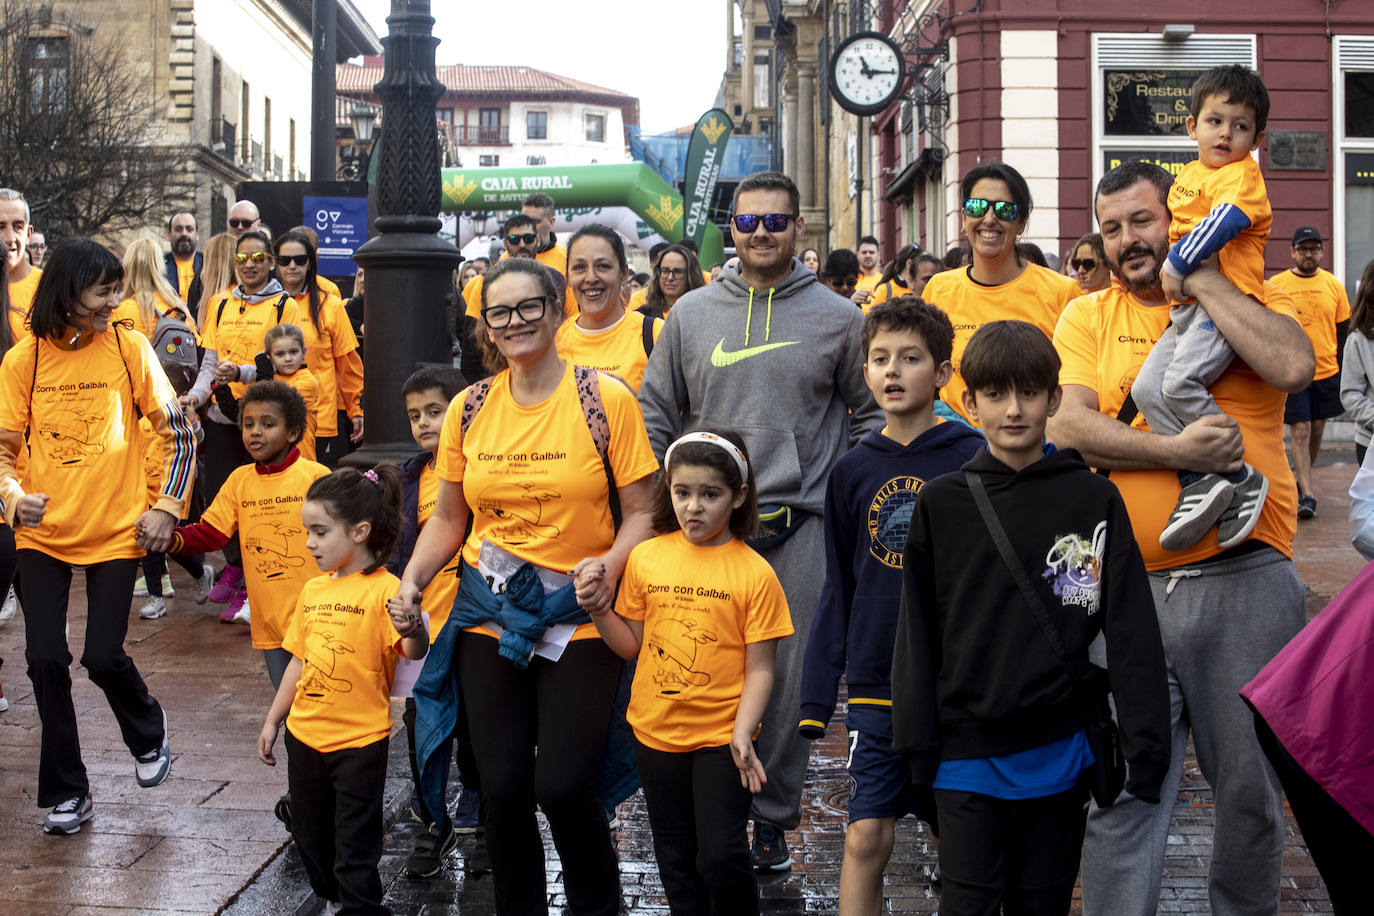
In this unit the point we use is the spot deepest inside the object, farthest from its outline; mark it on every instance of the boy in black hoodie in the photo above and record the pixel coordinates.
(868, 506)
(983, 708)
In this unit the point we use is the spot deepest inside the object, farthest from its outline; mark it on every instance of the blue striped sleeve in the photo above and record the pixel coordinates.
(1210, 235)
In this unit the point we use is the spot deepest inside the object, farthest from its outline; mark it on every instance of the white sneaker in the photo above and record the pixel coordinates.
(68, 817)
(153, 609)
(204, 584)
(9, 608)
(152, 768)
(141, 587)
(242, 615)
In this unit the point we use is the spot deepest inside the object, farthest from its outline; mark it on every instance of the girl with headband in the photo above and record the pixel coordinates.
(703, 613)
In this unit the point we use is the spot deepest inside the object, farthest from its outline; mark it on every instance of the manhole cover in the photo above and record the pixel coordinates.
(836, 801)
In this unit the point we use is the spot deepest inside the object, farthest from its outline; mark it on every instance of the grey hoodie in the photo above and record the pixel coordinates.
(783, 367)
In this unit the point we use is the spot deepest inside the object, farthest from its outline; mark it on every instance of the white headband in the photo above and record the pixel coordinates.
(711, 439)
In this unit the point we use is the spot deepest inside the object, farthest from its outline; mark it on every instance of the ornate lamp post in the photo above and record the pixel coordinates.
(409, 268)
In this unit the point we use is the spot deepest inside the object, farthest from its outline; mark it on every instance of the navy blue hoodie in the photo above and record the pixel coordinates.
(869, 500)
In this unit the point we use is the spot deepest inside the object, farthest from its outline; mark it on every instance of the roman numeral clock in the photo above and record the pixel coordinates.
(867, 73)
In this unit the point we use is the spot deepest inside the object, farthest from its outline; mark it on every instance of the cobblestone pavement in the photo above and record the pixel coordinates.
(206, 841)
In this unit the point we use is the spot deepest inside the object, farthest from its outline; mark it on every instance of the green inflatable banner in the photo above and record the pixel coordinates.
(705, 153)
(627, 184)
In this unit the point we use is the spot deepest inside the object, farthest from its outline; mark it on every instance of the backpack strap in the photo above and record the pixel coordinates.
(281, 306)
(588, 383)
(648, 336)
(219, 313)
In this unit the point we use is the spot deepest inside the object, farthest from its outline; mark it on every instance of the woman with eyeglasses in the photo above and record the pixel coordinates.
(1000, 282)
(677, 272)
(232, 335)
(1089, 263)
(331, 348)
(604, 334)
(519, 461)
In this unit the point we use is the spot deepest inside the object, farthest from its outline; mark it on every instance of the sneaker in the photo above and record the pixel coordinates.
(331, 907)
(233, 607)
(229, 582)
(1240, 516)
(770, 848)
(152, 768)
(282, 811)
(68, 817)
(203, 585)
(1199, 506)
(612, 819)
(153, 608)
(430, 849)
(141, 587)
(1307, 506)
(9, 608)
(417, 810)
(242, 615)
(467, 812)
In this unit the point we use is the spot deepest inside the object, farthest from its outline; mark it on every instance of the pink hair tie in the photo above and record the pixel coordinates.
(372, 476)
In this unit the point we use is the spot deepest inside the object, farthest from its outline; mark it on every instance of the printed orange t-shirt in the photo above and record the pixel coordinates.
(437, 599)
(348, 649)
(1038, 295)
(21, 301)
(1199, 188)
(303, 380)
(236, 332)
(186, 272)
(701, 606)
(265, 509)
(1322, 304)
(618, 349)
(1102, 339)
(532, 476)
(326, 352)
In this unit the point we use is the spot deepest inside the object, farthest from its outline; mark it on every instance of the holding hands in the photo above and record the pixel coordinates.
(404, 609)
(595, 590)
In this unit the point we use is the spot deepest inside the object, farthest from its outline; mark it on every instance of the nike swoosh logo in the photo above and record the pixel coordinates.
(720, 359)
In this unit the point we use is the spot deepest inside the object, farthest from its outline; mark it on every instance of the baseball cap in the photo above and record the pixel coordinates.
(1306, 234)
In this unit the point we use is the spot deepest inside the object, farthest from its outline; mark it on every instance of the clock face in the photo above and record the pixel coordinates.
(867, 73)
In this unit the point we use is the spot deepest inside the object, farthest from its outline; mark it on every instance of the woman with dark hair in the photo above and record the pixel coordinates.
(232, 334)
(676, 272)
(1000, 283)
(73, 390)
(1088, 265)
(331, 348)
(519, 462)
(604, 334)
(1357, 364)
(811, 259)
(893, 282)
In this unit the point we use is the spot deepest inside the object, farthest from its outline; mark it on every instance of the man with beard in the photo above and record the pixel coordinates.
(183, 261)
(1222, 614)
(770, 353)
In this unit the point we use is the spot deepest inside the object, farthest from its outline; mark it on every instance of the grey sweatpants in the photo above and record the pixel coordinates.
(800, 565)
(1171, 389)
(1223, 622)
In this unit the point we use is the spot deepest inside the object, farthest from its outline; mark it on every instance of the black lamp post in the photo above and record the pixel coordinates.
(409, 268)
(354, 159)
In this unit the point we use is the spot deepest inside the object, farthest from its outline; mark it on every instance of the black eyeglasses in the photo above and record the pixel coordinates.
(242, 223)
(1087, 264)
(773, 222)
(672, 273)
(1005, 210)
(498, 316)
(528, 238)
(1305, 249)
(296, 260)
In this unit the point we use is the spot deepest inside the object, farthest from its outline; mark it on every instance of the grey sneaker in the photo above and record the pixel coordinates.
(203, 585)
(152, 768)
(430, 849)
(68, 817)
(1240, 517)
(153, 608)
(1199, 506)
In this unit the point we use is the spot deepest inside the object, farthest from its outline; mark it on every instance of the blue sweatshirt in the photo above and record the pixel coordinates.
(869, 501)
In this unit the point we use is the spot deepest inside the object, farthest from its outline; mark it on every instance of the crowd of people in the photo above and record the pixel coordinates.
(655, 520)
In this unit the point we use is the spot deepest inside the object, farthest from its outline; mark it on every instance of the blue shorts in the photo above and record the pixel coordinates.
(1320, 400)
(879, 779)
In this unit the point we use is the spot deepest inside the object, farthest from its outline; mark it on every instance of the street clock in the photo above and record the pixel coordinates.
(867, 73)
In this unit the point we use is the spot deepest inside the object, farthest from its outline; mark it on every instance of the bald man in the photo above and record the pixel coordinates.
(243, 215)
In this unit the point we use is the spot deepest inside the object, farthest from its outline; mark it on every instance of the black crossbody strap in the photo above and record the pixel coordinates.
(1018, 573)
(1127, 414)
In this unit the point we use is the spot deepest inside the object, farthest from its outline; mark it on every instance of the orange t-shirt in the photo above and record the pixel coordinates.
(326, 352)
(1322, 304)
(1038, 295)
(328, 286)
(883, 292)
(21, 301)
(532, 475)
(1103, 338)
(638, 299)
(236, 332)
(348, 649)
(1199, 188)
(701, 606)
(618, 349)
(868, 281)
(265, 509)
(186, 272)
(128, 310)
(437, 600)
(303, 380)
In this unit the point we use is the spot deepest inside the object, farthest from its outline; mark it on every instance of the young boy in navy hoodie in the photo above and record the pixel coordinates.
(868, 505)
(983, 707)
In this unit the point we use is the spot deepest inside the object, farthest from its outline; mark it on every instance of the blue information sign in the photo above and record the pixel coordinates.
(342, 226)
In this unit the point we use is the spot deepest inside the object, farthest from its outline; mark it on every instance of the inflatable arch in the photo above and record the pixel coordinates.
(582, 188)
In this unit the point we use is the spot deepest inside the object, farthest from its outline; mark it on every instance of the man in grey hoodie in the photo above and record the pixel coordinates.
(769, 352)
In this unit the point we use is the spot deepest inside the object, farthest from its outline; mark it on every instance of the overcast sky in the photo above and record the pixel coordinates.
(669, 54)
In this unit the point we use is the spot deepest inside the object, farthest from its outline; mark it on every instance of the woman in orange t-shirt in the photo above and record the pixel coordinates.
(526, 471)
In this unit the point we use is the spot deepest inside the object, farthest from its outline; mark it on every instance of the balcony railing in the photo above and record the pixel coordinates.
(222, 138)
(483, 136)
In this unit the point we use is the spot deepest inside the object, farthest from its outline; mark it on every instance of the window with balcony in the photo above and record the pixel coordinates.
(489, 126)
(596, 128)
(446, 115)
(47, 65)
(536, 125)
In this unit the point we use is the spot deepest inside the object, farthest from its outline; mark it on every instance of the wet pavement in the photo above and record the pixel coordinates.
(206, 841)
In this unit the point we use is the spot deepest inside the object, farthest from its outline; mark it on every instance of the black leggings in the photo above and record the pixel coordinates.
(699, 814)
(223, 452)
(155, 564)
(9, 562)
(44, 586)
(562, 708)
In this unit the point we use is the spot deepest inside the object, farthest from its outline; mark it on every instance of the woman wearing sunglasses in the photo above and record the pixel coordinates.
(999, 283)
(331, 348)
(525, 470)
(677, 272)
(232, 335)
(1089, 264)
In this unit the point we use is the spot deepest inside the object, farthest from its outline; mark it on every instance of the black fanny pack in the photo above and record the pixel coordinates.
(776, 524)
